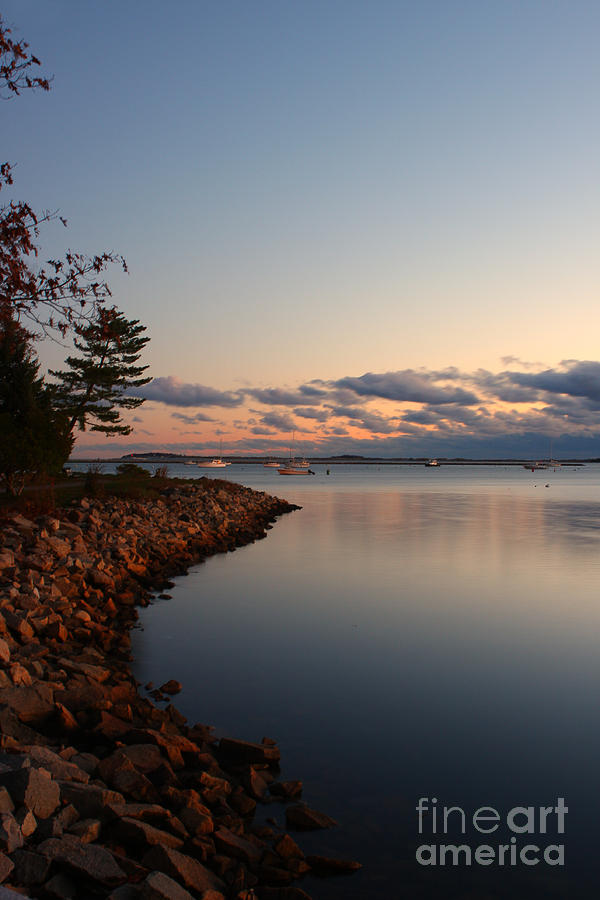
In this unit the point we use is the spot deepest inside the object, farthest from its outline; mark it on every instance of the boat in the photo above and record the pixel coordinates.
(190, 462)
(295, 466)
(431, 464)
(216, 463)
(271, 464)
(535, 466)
(292, 468)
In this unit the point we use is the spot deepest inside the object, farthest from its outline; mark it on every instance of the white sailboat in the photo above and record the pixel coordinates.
(295, 466)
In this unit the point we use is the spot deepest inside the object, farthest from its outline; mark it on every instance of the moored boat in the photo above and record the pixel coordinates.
(216, 463)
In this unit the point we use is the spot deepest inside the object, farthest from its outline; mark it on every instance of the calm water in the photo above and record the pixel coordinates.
(409, 633)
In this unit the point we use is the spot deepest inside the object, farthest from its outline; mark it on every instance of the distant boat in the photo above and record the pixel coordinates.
(431, 464)
(271, 464)
(534, 467)
(295, 466)
(190, 462)
(216, 463)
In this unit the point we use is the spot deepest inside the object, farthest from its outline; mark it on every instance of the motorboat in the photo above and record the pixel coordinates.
(216, 463)
(431, 464)
(271, 464)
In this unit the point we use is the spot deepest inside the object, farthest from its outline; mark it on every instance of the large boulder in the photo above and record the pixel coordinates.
(90, 860)
(34, 789)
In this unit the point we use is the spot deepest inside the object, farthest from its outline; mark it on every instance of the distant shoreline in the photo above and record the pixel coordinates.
(334, 460)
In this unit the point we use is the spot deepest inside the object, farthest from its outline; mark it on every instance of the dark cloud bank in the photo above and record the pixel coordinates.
(410, 412)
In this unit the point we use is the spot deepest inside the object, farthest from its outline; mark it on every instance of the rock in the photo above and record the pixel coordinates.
(43, 757)
(124, 892)
(255, 784)
(59, 547)
(118, 772)
(90, 800)
(65, 720)
(27, 821)
(286, 789)
(325, 865)
(303, 818)
(133, 831)
(33, 788)
(61, 887)
(183, 868)
(33, 705)
(7, 559)
(145, 757)
(6, 803)
(87, 830)
(233, 845)
(11, 726)
(6, 867)
(91, 860)
(81, 695)
(10, 833)
(237, 751)
(287, 848)
(159, 886)
(95, 673)
(4, 651)
(20, 676)
(171, 687)
(274, 875)
(58, 632)
(30, 867)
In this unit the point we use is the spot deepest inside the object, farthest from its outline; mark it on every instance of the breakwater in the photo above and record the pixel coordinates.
(102, 792)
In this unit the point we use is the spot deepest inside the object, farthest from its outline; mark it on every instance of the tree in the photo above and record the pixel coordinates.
(34, 435)
(96, 384)
(63, 292)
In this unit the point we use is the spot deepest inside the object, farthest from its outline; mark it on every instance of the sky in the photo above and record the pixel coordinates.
(364, 227)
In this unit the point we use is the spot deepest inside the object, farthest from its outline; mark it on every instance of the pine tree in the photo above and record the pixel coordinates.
(95, 386)
(35, 437)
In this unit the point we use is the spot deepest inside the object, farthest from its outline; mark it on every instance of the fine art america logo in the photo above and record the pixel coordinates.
(521, 821)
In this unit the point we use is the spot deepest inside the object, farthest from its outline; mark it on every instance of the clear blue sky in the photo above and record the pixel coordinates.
(320, 190)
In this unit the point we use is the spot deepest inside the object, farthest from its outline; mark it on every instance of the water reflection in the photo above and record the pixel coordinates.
(404, 643)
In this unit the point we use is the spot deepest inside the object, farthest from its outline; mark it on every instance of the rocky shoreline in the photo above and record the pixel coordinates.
(102, 793)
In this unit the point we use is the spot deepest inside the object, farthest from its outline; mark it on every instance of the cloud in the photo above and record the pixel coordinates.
(192, 420)
(281, 421)
(283, 397)
(174, 392)
(577, 379)
(320, 415)
(406, 386)
(405, 412)
(372, 421)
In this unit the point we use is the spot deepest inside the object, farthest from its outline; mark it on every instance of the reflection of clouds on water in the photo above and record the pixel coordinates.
(404, 628)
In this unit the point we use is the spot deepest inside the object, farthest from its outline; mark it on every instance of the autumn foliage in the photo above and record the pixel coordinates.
(56, 295)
